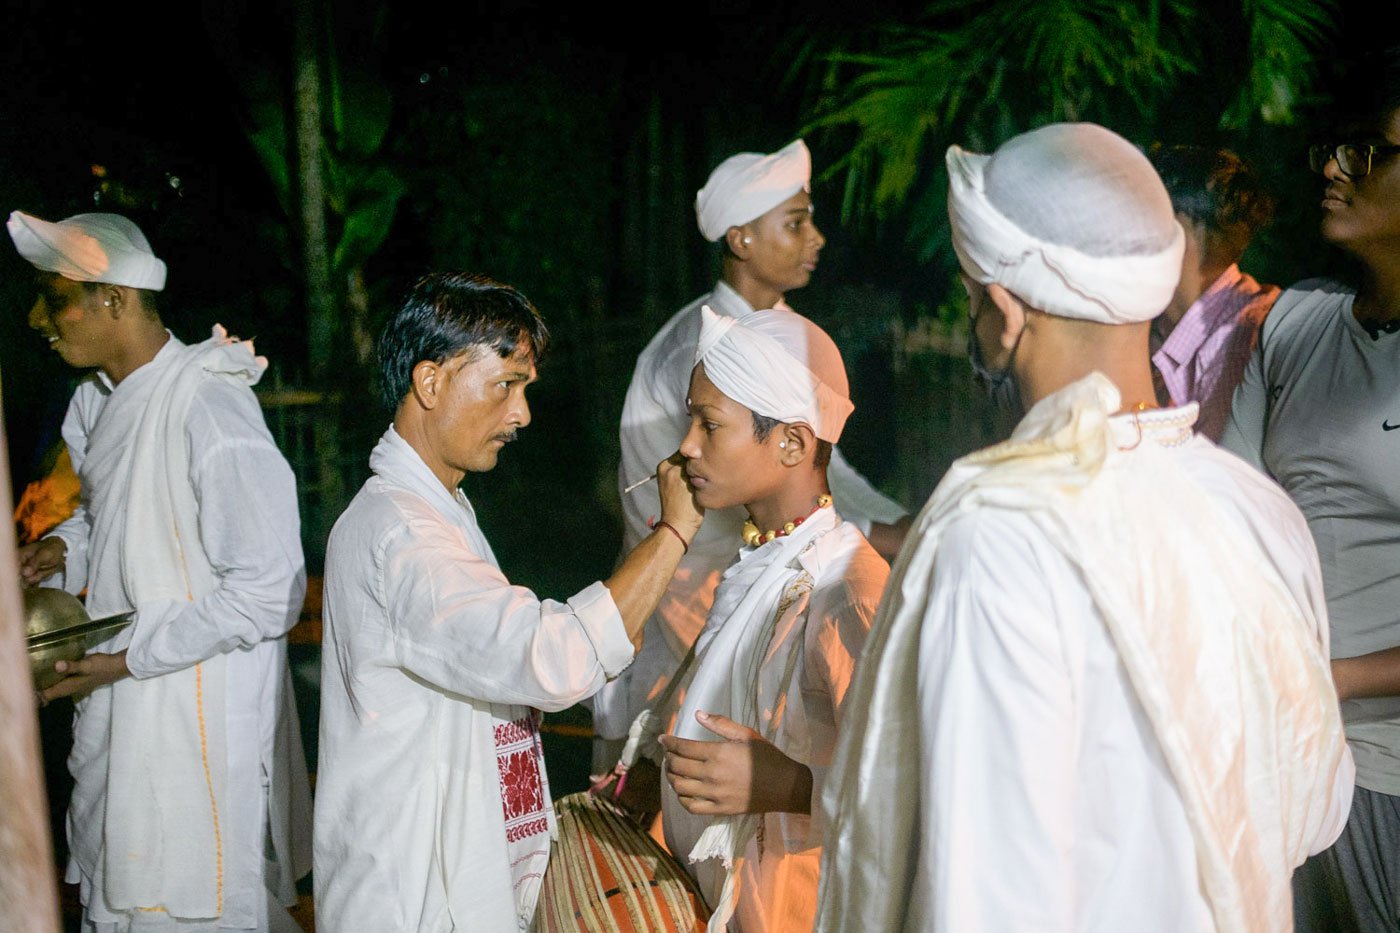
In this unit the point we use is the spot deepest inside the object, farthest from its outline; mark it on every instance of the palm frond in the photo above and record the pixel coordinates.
(970, 70)
(1284, 39)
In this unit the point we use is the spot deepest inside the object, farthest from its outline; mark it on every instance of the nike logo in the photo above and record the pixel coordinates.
(1387, 426)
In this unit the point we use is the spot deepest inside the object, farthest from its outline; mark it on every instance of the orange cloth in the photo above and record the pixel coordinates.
(47, 501)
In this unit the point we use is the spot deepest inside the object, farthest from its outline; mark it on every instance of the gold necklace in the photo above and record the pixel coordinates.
(753, 537)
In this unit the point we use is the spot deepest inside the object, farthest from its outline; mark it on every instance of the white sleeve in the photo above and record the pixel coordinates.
(998, 738)
(456, 622)
(250, 531)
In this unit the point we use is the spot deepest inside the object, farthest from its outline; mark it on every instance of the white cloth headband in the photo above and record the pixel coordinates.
(779, 365)
(1055, 278)
(749, 185)
(89, 248)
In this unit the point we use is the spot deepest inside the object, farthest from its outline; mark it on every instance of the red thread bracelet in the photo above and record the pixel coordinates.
(685, 545)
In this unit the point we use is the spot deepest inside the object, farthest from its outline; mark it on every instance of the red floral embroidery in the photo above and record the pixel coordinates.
(524, 798)
(522, 785)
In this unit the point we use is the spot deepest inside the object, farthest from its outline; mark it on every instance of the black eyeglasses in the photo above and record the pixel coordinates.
(1354, 159)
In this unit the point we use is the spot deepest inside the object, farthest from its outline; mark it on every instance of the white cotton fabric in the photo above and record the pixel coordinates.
(427, 649)
(1070, 218)
(797, 609)
(748, 185)
(188, 516)
(653, 421)
(89, 248)
(779, 365)
(972, 787)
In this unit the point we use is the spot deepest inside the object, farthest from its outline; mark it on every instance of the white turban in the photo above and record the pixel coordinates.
(1070, 218)
(749, 185)
(779, 365)
(89, 248)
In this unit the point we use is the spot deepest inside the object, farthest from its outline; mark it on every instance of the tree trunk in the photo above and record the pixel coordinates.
(357, 304)
(320, 295)
(316, 265)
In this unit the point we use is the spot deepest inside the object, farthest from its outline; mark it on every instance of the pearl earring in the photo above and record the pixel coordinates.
(747, 240)
(782, 444)
(107, 303)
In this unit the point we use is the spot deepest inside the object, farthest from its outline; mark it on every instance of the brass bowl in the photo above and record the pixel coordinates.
(57, 628)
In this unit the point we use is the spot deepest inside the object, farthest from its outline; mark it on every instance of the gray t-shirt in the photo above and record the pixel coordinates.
(1319, 411)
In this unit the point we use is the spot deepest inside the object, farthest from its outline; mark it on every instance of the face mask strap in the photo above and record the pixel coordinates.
(1000, 384)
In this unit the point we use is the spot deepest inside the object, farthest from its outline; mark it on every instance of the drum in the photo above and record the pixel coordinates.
(608, 875)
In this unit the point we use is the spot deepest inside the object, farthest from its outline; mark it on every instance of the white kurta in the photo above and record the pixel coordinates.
(654, 420)
(1085, 709)
(248, 546)
(428, 647)
(809, 599)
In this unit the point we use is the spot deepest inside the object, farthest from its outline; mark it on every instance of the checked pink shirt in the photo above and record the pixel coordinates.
(1204, 357)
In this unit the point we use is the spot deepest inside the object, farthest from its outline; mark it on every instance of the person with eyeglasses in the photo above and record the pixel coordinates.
(1318, 409)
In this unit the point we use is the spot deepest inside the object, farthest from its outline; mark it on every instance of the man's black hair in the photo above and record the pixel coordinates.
(449, 313)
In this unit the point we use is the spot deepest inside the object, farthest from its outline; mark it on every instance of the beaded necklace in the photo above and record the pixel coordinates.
(753, 537)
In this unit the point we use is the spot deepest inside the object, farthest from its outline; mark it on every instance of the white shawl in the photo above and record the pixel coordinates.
(166, 780)
(1237, 689)
(753, 595)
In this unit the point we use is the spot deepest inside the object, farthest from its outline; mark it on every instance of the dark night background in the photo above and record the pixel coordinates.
(527, 136)
(519, 128)
(552, 146)
(555, 147)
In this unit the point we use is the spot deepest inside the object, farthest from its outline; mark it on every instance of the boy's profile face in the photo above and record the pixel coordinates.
(71, 317)
(727, 465)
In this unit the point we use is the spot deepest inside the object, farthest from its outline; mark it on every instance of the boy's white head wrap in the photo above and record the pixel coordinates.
(89, 248)
(749, 185)
(779, 365)
(1072, 219)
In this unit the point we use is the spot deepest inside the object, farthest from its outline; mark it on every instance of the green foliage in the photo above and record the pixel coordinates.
(498, 185)
(976, 72)
(365, 199)
(360, 105)
(362, 188)
(982, 71)
(1284, 39)
(265, 127)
